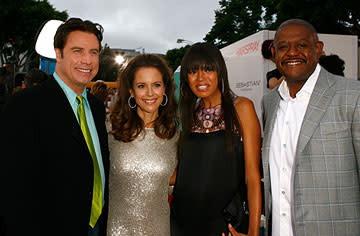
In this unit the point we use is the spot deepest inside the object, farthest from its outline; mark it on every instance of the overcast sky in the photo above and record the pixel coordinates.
(151, 24)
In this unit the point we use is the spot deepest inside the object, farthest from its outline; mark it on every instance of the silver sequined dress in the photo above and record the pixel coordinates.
(139, 182)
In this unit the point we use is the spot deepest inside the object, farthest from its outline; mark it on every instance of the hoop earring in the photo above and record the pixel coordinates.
(129, 102)
(166, 100)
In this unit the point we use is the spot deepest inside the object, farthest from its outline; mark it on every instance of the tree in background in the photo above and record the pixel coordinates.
(108, 68)
(330, 16)
(237, 19)
(20, 21)
(174, 56)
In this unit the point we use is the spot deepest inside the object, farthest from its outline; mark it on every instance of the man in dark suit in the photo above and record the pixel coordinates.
(54, 156)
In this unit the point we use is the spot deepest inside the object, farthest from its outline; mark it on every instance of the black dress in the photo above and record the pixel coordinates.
(207, 180)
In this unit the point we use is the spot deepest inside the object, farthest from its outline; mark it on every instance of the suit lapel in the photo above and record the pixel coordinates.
(61, 103)
(271, 107)
(319, 101)
(271, 104)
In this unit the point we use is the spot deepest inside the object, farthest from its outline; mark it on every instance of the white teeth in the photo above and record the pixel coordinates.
(150, 101)
(202, 87)
(293, 63)
(83, 70)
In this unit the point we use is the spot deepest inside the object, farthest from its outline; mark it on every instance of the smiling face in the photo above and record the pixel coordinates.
(148, 90)
(78, 63)
(297, 52)
(203, 82)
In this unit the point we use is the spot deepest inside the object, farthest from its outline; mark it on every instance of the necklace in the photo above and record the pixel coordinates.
(208, 120)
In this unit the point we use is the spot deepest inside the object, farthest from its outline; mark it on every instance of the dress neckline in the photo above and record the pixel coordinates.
(208, 120)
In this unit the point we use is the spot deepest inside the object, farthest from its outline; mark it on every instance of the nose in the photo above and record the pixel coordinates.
(200, 75)
(149, 91)
(86, 58)
(293, 50)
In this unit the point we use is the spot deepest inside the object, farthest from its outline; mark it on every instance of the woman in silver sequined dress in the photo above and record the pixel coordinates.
(142, 149)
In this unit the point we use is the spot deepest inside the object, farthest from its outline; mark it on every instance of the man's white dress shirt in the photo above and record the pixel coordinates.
(289, 118)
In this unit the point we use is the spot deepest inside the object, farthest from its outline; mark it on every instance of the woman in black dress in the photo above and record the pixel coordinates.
(219, 148)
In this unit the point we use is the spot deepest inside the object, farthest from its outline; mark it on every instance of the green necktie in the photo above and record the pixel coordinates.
(96, 206)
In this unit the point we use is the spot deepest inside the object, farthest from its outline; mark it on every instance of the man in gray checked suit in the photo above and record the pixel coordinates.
(311, 148)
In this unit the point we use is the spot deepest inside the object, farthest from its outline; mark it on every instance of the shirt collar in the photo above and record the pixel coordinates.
(70, 94)
(306, 89)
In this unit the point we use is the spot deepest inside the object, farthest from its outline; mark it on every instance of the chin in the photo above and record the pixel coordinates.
(297, 78)
(203, 94)
(149, 109)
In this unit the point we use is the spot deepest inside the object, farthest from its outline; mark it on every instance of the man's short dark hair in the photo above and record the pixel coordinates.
(74, 24)
(301, 22)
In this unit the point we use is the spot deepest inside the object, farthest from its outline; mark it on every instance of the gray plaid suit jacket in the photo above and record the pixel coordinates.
(326, 181)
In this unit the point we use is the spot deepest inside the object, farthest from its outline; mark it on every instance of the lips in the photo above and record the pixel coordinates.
(84, 70)
(149, 101)
(293, 62)
(202, 87)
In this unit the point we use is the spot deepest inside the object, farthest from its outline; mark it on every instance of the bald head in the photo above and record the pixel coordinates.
(299, 22)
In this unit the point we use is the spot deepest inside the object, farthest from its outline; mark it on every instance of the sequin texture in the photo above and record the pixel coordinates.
(139, 182)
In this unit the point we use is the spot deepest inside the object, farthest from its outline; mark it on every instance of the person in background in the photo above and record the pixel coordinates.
(2, 88)
(9, 79)
(100, 91)
(18, 82)
(2, 97)
(34, 77)
(143, 149)
(311, 147)
(219, 149)
(17, 89)
(53, 146)
(274, 77)
(333, 63)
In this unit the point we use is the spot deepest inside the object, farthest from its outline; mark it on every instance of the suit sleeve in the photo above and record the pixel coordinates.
(19, 177)
(263, 115)
(356, 132)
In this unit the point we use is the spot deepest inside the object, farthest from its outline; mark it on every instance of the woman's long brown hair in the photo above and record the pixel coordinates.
(126, 124)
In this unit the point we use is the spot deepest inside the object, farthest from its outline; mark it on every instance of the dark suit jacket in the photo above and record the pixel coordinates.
(46, 170)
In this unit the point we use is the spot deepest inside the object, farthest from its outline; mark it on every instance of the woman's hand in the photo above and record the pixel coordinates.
(233, 232)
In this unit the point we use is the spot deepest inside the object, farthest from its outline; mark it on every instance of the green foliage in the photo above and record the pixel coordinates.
(20, 21)
(331, 16)
(174, 56)
(237, 19)
(108, 68)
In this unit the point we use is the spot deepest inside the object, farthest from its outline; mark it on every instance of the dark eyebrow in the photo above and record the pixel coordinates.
(95, 49)
(76, 48)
